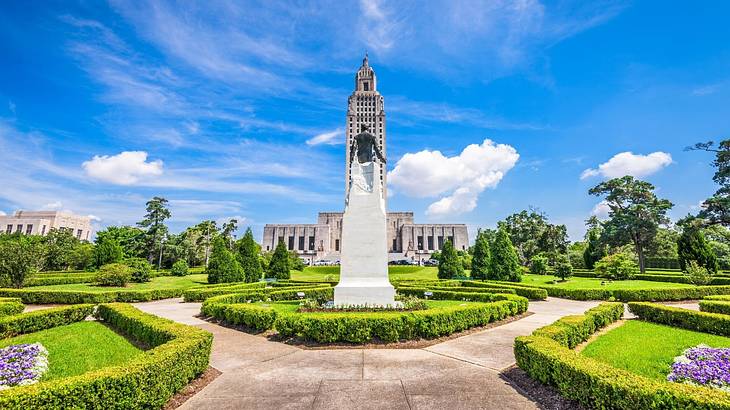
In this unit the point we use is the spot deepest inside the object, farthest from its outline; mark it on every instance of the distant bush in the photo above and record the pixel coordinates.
(179, 268)
(697, 274)
(539, 265)
(618, 266)
(113, 274)
(107, 251)
(563, 268)
(141, 269)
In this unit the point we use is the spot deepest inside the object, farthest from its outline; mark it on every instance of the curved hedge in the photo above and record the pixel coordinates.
(41, 297)
(179, 353)
(465, 296)
(198, 294)
(259, 292)
(11, 306)
(23, 323)
(362, 327)
(528, 292)
(547, 356)
(715, 323)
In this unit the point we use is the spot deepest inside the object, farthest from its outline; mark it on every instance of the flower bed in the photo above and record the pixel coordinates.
(21, 365)
(703, 366)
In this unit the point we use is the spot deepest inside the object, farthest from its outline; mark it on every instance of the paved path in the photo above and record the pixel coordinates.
(461, 373)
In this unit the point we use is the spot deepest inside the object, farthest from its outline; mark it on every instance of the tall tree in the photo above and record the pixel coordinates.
(228, 229)
(107, 251)
(20, 257)
(449, 263)
(635, 213)
(223, 266)
(130, 238)
(208, 232)
(531, 234)
(481, 260)
(594, 251)
(248, 256)
(505, 264)
(60, 245)
(692, 246)
(279, 265)
(716, 209)
(154, 221)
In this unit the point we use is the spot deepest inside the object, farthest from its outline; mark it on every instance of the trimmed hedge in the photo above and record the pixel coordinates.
(11, 306)
(546, 356)
(259, 292)
(179, 353)
(201, 293)
(466, 296)
(628, 295)
(46, 280)
(715, 323)
(715, 306)
(41, 297)
(661, 277)
(531, 293)
(42, 319)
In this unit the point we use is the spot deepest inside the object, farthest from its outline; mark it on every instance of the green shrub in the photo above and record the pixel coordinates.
(563, 268)
(505, 265)
(113, 274)
(696, 274)
(718, 324)
(11, 306)
(223, 266)
(23, 323)
(202, 293)
(715, 306)
(179, 268)
(539, 265)
(468, 296)
(618, 266)
(449, 264)
(279, 266)
(43, 297)
(482, 258)
(693, 247)
(107, 251)
(248, 257)
(141, 269)
(62, 279)
(570, 331)
(530, 292)
(179, 353)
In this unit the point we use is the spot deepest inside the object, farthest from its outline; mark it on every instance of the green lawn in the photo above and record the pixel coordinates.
(290, 307)
(647, 348)
(78, 348)
(587, 283)
(162, 282)
(319, 273)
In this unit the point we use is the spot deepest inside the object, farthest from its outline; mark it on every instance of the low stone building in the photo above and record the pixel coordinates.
(41, 222)
(406, 239)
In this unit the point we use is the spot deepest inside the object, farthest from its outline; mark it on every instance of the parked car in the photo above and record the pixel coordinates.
(431, 262)
(322, 262)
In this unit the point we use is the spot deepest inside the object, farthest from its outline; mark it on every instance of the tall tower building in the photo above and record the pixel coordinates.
(365, 107)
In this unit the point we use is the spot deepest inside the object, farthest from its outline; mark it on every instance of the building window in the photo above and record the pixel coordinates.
(9, 229)
(43, 231)
(440, 242)
(395, 244)
(301, 243)
(420, 243)
(311, 243)
(29, 229)
(78, 233)
(291, 243)
(451, 239)
(366, 86)
(19, 229)
(337, 245)
(430, 243)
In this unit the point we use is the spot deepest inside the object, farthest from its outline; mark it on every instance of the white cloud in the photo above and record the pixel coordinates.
(330, 138)
(125, 168)
(53, 205)
(94, 218)
(628, 163)
(2, 213)
(430, 173)
(601, 210)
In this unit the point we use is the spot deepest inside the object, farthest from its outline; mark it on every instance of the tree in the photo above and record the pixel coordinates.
(635, 213)
(539, 265)
(223, 266)
(21, 256)
(114, 274)
(208, 232)
(716, 209)
(279, 265)
(618, 266)
(449, 263)
(696, 274)
(481, 259)
(228, 229)
(130, 238)
(154, 221)
(563, 268)
(594, 250)
(141, 269)
(248, 256)
(60, 244)
(107, 251)
(179, 268)
(531, 234)
(664, 244)
(505, 264)
(296, 262)
(82, 256)
(692, 246)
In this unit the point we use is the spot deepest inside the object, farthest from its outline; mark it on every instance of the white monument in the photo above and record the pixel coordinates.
(364, 255)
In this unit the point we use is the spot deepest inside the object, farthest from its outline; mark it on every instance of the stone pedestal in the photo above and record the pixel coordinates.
(364, 253)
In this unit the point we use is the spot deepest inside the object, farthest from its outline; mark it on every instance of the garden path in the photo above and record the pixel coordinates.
(461, 373)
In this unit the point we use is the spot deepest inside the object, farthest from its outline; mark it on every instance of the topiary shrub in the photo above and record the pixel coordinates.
(563, 268)
(539, 265)
(141, 269)
(505, 265)
(449, 265)
(481, 259)
(248, 257)
(113, 274)
(279, 265)
(618, 266)
(179, 268)
(223, 266)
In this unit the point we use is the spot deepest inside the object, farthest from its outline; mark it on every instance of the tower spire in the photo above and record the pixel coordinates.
(365, 60)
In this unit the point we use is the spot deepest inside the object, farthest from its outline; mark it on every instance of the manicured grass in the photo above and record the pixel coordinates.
(291, 306)
(320, 273)
(647, 348)
(78, 348)
(589, 283)
(162, 282)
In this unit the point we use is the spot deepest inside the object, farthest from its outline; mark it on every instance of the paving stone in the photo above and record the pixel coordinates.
(361, 395)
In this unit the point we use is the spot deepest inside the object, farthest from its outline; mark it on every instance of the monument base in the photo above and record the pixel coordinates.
(360, 293)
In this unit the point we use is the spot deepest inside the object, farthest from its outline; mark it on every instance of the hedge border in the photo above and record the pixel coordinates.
(23, 323)
(547, 356)
(179, 353)
(715, 306)
(715, 323)
(258, 292)
(11, 306)
(43, 297)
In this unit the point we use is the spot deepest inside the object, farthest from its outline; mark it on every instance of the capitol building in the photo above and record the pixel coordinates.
(406, 239)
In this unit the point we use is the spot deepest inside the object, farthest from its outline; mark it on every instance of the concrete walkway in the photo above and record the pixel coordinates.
(462, 373)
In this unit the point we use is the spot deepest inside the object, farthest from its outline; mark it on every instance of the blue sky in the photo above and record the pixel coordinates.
(212, 105)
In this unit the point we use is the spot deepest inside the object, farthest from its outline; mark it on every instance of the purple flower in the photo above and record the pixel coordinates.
(22, 364)
(702, 365)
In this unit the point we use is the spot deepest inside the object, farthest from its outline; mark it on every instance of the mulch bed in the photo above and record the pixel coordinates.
(546, 397)
(192, 388)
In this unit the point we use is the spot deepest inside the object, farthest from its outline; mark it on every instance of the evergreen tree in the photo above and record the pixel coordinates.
(154, 221)
(594, 251)
(107, 251)
(563, 268)
(692, 246)
(279, 265)
(481, 259)
(248, 256)
(223, 266)
(505, 263)
(449, 263)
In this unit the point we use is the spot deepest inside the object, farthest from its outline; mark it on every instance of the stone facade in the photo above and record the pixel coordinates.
(405, 238)
(41, 222)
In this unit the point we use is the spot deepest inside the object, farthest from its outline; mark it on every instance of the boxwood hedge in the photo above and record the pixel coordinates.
(40, 297)
(42, 319)
(715, 306)
(531, 293)
(706, 322)
(546, 356)
(11, 306)
(465, 296)
(259, 292)
(178, 354)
